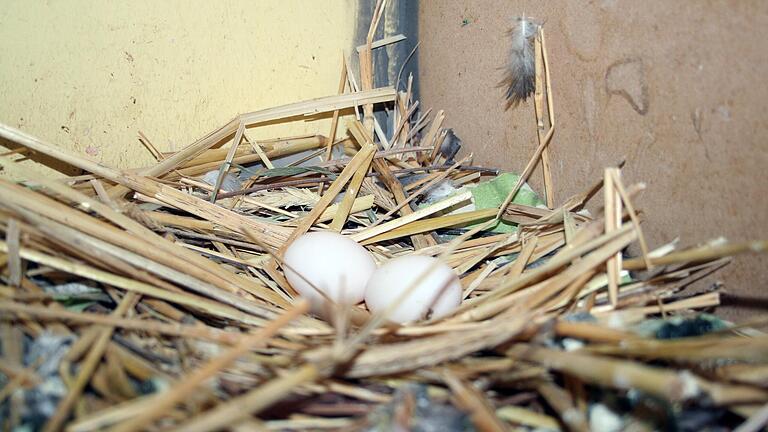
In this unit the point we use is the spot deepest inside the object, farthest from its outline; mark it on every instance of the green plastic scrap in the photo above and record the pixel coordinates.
(492, 193)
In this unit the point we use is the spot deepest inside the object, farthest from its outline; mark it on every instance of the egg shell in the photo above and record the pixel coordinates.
(335, 264)
(438, 291)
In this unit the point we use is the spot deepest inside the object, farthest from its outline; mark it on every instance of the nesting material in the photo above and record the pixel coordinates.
(191, 318)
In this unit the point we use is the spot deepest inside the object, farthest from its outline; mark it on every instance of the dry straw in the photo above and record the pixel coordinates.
(195, 295)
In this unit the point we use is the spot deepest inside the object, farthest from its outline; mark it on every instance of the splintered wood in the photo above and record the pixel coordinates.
(155, 298)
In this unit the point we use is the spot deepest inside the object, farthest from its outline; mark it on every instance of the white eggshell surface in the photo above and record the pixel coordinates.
(435, 296)
(335, 264)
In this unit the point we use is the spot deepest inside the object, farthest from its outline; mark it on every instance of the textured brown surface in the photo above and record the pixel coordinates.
(678, 88)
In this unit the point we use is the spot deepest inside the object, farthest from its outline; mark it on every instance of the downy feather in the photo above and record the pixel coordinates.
(520, 69)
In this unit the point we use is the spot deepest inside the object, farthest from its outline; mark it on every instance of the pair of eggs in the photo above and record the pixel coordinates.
(347, 274)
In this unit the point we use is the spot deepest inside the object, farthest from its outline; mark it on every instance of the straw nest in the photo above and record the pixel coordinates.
(186, 321)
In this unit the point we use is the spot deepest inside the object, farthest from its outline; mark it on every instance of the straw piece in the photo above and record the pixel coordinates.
(56, 421)
(382, 42)
(633, 215)
(612, 209)
(340, 218)
(606, 372)
(690, 349)
(538, 100)
(204, 333)
(561, 402)
(164, 401)
(591, 332)
(150, 147)
(366, 63)
(274, 149)
(315, 106)
(522, 258)
(701, 254)
(525, 417)
(755, 422)
(526, 172)
(419, 214)
(432, 224)
(228, 160)
(250, 403)
(361, 158)
(387, 359)
(637, 314)
(273, 235)
(474, 403)
(12, 237)
(132, 285)
(144, 242)
(433, 133)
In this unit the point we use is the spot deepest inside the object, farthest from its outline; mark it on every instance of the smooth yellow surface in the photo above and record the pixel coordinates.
(87, 75)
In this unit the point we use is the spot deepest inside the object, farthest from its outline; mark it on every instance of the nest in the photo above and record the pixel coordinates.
(155, 298)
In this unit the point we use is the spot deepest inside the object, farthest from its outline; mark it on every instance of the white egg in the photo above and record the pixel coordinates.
(336, 265)
(437, 293)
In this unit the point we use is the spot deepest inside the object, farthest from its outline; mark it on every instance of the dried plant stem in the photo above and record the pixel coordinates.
(199, 332)
(386, 359)
(250, 403)
(612, 373)
(366, 63)
(12, 370)
(689, 349)
(92, 359)
(228, 160)
(474, 403)
(88, 272)
(526, 172)
(211, 159)
(755, 422)
(315, 106)
(561, 402)
(700, 254)
(525, 417)
(143, 241)
(354, 184)
(591, 332)
(419, 214)
(522, 258)
(396, 188)
(625, 198)
(538, 101)
(12, 237)
(613, 211)
(432, 224)
(441, 176)
(166, 400)
(150, 148)
(433, 133)
(361, 158)
(163, 193)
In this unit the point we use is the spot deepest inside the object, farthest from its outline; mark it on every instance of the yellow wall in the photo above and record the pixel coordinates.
(87, 75)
